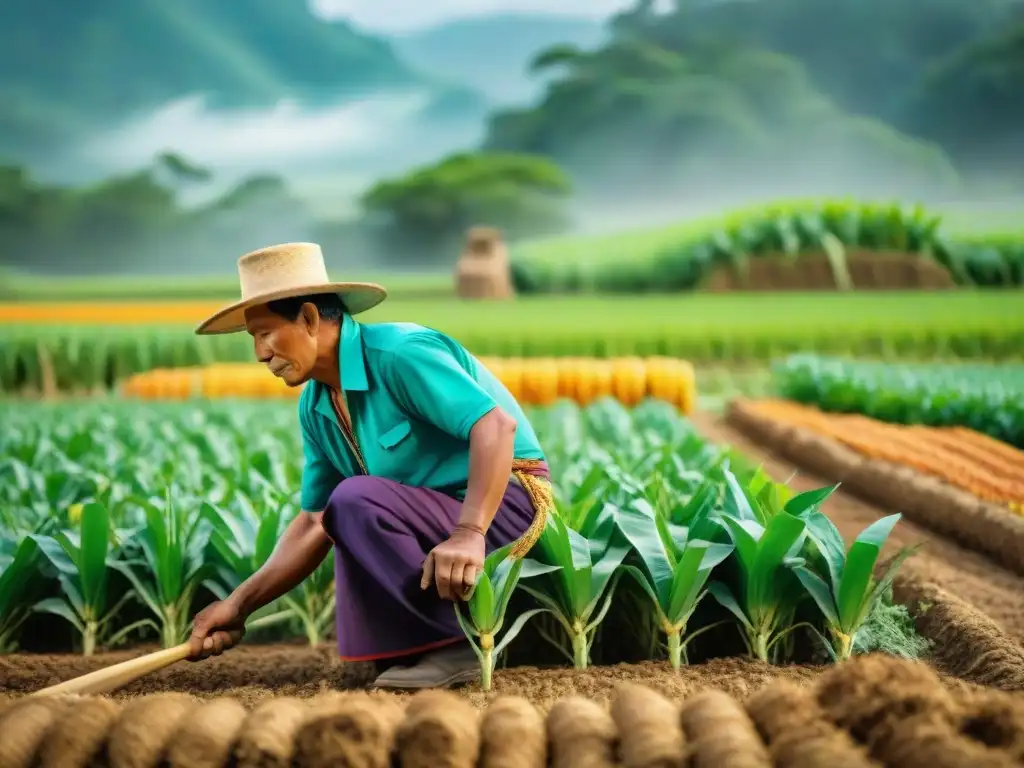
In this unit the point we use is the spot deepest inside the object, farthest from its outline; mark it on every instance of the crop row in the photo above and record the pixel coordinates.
(985, 398)
(986, 467)
(83, 358)
(680, 258)
(532, 381)
(122, 520)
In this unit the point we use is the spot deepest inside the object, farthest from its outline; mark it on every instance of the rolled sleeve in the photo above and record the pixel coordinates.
(429, 382)
(319, 476)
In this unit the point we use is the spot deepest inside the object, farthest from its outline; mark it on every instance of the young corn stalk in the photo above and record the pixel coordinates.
(82, 560)
(576, 573)
(488, 603)
(766, 541)
(676, 567)
(171, 568)
(845, 589)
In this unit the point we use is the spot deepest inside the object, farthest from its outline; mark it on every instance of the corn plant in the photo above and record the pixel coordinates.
(487, 604)
(767, 541)
(842, 584)
(171, 567)
(83, 561)
(576, 573)
(676, 564)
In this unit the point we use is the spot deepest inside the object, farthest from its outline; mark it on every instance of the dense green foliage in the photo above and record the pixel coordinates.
(710, 95)
(730, 329)
(112, 59)
(985, 398)
(104, 227)
(123, 520)
(969, 102)
(641, 116)
(680, 258)
(428, 211)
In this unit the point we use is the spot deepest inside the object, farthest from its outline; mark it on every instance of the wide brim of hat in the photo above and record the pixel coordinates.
(358, 297)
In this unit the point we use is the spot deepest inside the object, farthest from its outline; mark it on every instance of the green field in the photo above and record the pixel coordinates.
(623, 261)
(720, 330)
(22, 287)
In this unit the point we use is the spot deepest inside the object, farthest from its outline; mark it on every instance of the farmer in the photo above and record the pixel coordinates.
(417, 462)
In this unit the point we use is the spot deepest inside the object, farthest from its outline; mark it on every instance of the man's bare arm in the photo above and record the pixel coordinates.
(301, 550)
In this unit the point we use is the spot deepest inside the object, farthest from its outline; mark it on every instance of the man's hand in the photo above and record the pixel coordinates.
(455, 564)
(215, 629)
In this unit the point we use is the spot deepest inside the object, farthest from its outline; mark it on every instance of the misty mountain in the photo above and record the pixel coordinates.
(67, 68)
(492, 52)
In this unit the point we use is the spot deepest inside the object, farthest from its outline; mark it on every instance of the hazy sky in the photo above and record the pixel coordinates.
(403, 15)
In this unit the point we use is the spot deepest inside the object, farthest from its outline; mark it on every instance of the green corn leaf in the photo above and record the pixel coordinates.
(516, 628)
(93, 558)
(644, 581)
(860, 564)
(829, 543)
(783, 533)
(745, 536)
(637, 529)
(59, 607)
(736, 503)
(56, 554)
(885, 582)
(18, 576)
(725, 598)
(822, 594)
(684, 578)
(482, 604)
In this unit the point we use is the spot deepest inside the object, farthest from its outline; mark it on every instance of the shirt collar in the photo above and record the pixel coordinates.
(351, 362)
(351, 366)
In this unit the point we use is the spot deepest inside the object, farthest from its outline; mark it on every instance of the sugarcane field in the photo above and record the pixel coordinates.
(634, 385)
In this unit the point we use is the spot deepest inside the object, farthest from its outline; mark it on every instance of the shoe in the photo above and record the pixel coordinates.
(441, 669)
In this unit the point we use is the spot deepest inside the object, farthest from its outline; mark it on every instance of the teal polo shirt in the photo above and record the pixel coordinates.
(413, 395)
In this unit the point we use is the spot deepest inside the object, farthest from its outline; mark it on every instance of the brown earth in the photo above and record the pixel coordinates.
(869, 270)
(949, 564)
(873, 710)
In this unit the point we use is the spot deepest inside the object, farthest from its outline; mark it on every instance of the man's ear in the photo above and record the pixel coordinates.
(311, 317)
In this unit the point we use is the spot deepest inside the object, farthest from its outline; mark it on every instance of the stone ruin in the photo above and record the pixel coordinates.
(483, 271)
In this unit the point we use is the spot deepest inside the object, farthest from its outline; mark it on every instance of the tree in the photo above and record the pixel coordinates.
(635, 115)
(428, 210)
(971, 103)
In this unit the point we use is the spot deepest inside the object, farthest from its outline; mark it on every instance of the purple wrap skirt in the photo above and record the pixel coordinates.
(382, 532)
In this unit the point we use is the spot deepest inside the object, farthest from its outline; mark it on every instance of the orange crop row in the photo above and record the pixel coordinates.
(989, 469)
(108, 312)
(533, 381)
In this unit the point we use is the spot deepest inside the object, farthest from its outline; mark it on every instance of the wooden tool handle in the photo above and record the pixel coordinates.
(111, 678)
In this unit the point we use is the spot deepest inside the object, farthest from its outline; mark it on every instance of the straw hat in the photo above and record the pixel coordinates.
(284, 271)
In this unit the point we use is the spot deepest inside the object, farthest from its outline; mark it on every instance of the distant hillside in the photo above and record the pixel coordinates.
(66, 67)
(491, 52)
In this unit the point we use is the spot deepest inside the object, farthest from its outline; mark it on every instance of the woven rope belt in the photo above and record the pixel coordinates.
(542, 498)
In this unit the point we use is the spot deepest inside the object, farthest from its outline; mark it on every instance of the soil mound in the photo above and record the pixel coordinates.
(868, 270)
(872, 710)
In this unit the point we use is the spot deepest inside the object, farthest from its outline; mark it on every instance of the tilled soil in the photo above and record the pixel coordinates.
(871, 711)
(963, 572)
(254, 673)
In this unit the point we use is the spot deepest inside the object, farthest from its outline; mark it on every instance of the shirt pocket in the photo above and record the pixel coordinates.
(395, 435)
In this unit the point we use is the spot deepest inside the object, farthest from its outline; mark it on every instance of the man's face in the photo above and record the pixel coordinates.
(287, 348)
